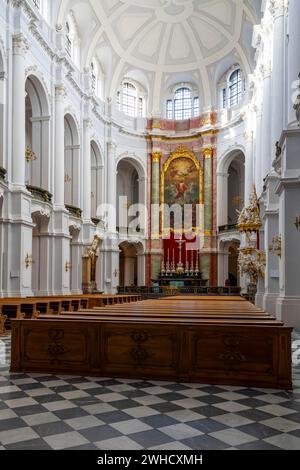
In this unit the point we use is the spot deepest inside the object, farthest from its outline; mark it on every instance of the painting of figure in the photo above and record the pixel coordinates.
(182, 184)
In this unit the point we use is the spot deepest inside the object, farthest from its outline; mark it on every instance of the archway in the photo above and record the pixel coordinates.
(131, 192)
(72, 163)
(132, 264)
(228, 263)
(96, 179)
(236, 189)
(230, 187)
(37, 122)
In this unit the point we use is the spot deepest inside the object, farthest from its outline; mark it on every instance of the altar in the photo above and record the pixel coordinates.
(181, 282)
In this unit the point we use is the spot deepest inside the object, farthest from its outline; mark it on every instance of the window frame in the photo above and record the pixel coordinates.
(183, 104)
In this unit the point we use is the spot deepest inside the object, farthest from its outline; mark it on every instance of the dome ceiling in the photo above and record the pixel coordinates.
(151, 40)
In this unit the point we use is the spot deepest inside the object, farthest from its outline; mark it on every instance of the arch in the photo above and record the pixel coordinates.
(131, 184)
(230, 186)
(72, 162)
(132, 264)
(228, 262)
(135, 161)
(37, 122)
(228, 156)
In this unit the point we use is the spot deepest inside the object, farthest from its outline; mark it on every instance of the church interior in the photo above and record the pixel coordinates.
(149, 225)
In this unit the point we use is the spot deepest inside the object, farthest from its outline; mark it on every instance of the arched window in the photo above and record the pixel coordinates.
(72, 39)
(131, 99)
(232, 94)
(68, 40)
(184, 105)
(235, 88)
(37, 4)
(94, 77)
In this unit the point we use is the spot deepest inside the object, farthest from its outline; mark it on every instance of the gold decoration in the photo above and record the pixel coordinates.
(68, 266)
(252, 263)
(30, 156)
(94, 249)
(276, 246)
(28, 261)
(249, 218)
(156, 124)
(208, 152)
(67, 178)
(156, 156)
(182, 152)
(297, 223)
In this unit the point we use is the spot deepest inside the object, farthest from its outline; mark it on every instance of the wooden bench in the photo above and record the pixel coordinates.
(246, 352)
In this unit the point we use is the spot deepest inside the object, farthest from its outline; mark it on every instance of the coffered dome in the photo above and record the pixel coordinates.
(160, 41)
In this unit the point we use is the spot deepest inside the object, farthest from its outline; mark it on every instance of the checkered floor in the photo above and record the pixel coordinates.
(58, 412)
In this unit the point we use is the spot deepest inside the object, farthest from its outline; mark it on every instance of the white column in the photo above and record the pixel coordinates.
(59, 194)
(266, 152)
(87, 171)
(258, 146)
(222, 199)
(20, 47)
(288, 303)
(277, 8)
(249, 177)
(271, 227)
(111, 186)
(293, 57)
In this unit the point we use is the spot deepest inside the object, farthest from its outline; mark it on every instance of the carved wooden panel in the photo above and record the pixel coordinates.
(145, 349)
(57, 347)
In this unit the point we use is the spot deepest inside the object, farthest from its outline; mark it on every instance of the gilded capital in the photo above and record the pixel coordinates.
(208, 152)
(156, 156)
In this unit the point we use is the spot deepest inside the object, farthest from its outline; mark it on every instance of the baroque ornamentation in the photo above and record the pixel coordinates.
(30, 156)
(28, 261)
(252, 263)
(297, 104)
(156, 156)
(231, 356)
(249, 218)
(277, 162)
(20, 44)
(56, 348)
(93, 251)
(276, 246)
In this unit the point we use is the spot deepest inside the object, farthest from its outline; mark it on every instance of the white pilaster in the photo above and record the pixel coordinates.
(271, 227)
(222, 199)
(266, 154)
(293, 58)
(278, 9)
(20, 47)
(249, 176)
(87, 188)
(59, 194)
(111, 187)
(288, 304)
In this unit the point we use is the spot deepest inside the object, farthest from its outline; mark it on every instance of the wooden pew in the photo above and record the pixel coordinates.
(214, 351)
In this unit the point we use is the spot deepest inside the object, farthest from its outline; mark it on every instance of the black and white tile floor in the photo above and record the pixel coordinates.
(38, 411)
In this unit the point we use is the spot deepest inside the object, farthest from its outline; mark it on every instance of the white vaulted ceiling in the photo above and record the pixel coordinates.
(155, 41)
